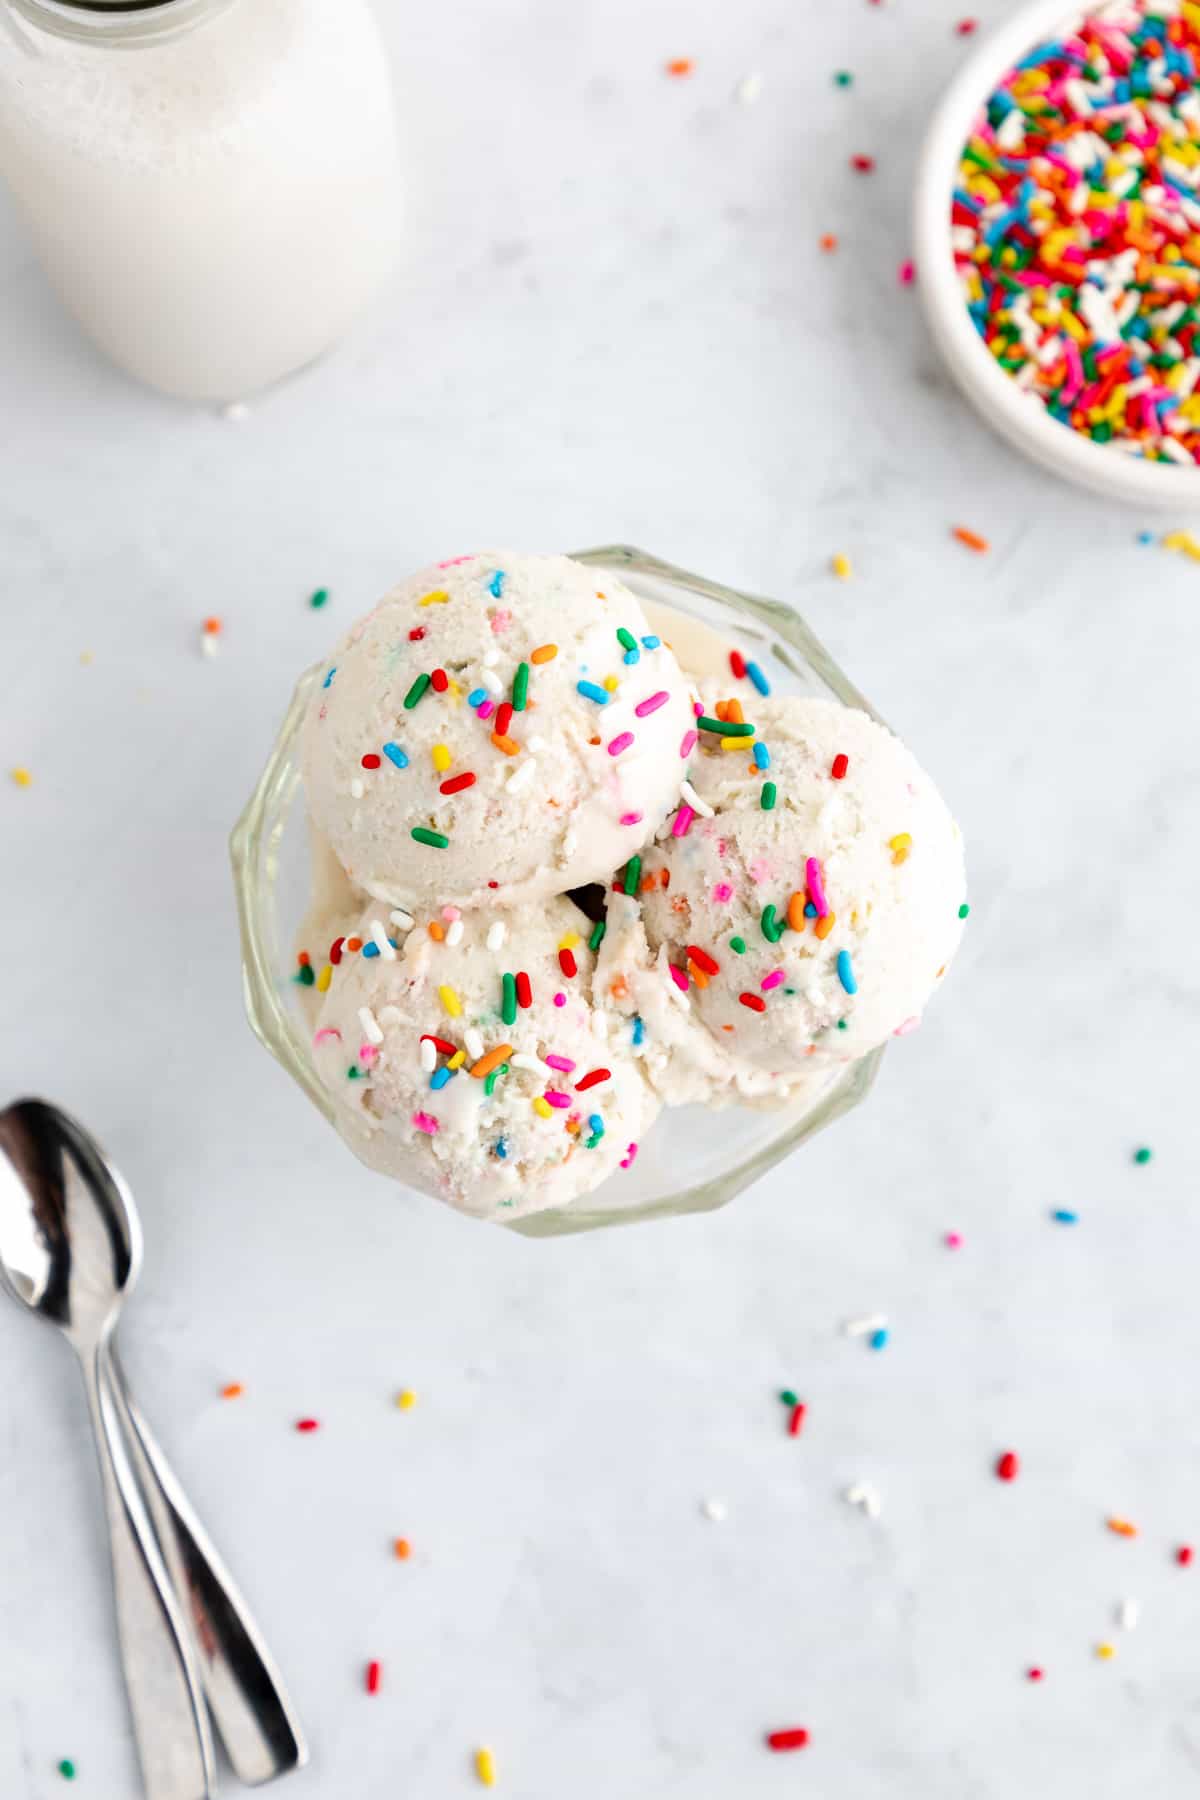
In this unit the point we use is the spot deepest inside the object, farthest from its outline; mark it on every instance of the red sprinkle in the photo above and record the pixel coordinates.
(308, 1425)
(592, 1078)
(1034, 1674)
(304, 959)
(965, 27)
(1184, 1555)
(864, 164)
(794, 1738)
(370, 762)
(416, 634)
(524, 991)
(796, 1419)
(504, 713)
(737, 663)
(440, 681)
(438, 1043)
(754, 1001)
(374, 1677)
(457, 783)
(1008, 1466)
(840, 765)
(335, 950)
(567, 963)
(703, 960)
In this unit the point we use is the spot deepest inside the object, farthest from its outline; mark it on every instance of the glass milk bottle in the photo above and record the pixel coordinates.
(211, 184)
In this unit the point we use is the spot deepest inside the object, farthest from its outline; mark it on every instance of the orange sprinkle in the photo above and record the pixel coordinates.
(697, 974)
(664, 878)
(402, 1549)
(971, 539)
(1122, 1527)
(572, 1125)
(825, 926)
(648, 882)
(733, 714)
(491, 1061)
(212, 626)
(233, 1390)
(509, 745)
(721, 709)
(354, 943)
(795, 911)
(679, 65)
(544, 653)
(436, 930)
(619, 988)
(829, 242)
(304, 959)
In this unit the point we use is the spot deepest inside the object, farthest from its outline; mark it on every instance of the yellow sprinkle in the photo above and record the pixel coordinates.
(544, 653)
(841, 567)
(441, 758)
(87, 657)
(406, 1399)
(457, 1060)
(1183, 541)
(485, 1767)
(324, 979)
(1105, 1651)
(568, 940)
(900, 846)
(610, 683)
(438, 597)
(450, 1001)
(22, 777)
(738, 743)
(542, 1108)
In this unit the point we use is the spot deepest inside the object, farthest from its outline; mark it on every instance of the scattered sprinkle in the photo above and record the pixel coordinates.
(842, 78)
(796, 1419)
(687, 744)
(1182, 541)
(485, 1767)
(620, 743)
(374, 1677)
(425, 1122)
(816, 892)
(1142, 1156)
(1008, 1466)
(862, 165)
(233, 1390)
(633, 872)
(793, 1737)
(1106, 1652)
(766, 799)
(828, 242)
(738, 945)
(307, 1425)
(1128, 1614)
(680, 66)
(651, 704)
(749, 89)
(1062, 1215)
(1184, 1555)
(401, 1549)
(520, 687)
(864, 1495)
(841, 567)
(437, 840)
(597, 935)
(971, 539)
(438, 597)
(953, 1240)
(964, 910)
(716, 1510)
(840, 764)
(406, 1399)
(845, 971)
(1034, 1674)
(753, 1001)
(906, 274)
(1122, 1528)
(592, 690)
(878, 1339)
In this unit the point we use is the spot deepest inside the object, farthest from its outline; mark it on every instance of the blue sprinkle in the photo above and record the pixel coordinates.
(591, 691)
(496, 583)
(477, 696)
(370, 949)
(632, 656)
(651, 643)
(639, 1028)
(1145, 537)
(1063, 1216)
(845, 969)
(330, 676)
(396, 755)
(878, 1339)
(762, 757)
(500, 1148)
(810, 911)
(440, 1077)
(758, 678)
(597, 1124)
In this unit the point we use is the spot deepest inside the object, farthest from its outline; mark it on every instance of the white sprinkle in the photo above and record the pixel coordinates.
(521, 776)
(1128, 1614)
(749, 89)
(688, 793)
(357, 789)
(381, 938)
(860, 1327)
(428, 1055)
(863, 1495)
(599, 1024)
(491, 682)
(716, 1510)
(390, 1015)
(401, 918)
(535, 744)
(235, 412)
(209, 643)
(491, 658)
(454, 932)
(535, 1065)
(497, 932)
(370, 1025)
(474, 1043)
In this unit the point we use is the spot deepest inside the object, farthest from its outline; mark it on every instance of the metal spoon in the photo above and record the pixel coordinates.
(68, 1226)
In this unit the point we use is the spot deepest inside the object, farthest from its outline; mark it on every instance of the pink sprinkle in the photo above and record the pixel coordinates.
(771, 981)
(682, 822)
(631, 818)
(816, 890)
(552, 1097)
(697, 709)
(688, 744)
(450, 913)
(722, 892)
(501, 621)
(326, 1032)
(679, 978)
(425, 1122)
(646, 707)
(367, 1053)
(560, 999)
(954, 1240)
(908, 1025)
(563, 1064)
(453, 562)
(628, 1159)
(907, 273)
(486, 708)
(622, 742)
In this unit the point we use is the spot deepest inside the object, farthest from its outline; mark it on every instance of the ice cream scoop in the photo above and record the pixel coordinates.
(498, 730)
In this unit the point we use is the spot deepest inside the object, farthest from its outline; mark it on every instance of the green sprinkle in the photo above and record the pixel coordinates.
(1142, 1156)
(520, 687)
(437, 840)
(633, 874)
(841, 1025)
(738, 945)
(724, 727)
(508, 999)
(788, 1398)
(772, 928)
(304, 975)
(767, 797)
(317, 600)
(415, 691)
(597, 936)
(626, 639)
(489, 1082)
(66, 1769)
(843, 78)
(352, 1073)
(963, 910)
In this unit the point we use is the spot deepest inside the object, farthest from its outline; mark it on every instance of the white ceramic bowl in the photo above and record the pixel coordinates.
(1017, 416)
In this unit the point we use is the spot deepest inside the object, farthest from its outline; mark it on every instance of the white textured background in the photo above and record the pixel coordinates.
(613, 321)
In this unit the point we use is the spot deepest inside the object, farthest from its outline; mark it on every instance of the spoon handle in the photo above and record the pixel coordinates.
(161, 1679)
(245, 1693)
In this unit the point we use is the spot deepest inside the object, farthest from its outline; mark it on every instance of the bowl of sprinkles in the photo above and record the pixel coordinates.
(1057, 231)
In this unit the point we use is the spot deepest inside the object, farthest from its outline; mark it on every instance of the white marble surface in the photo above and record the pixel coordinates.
(614, 322)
